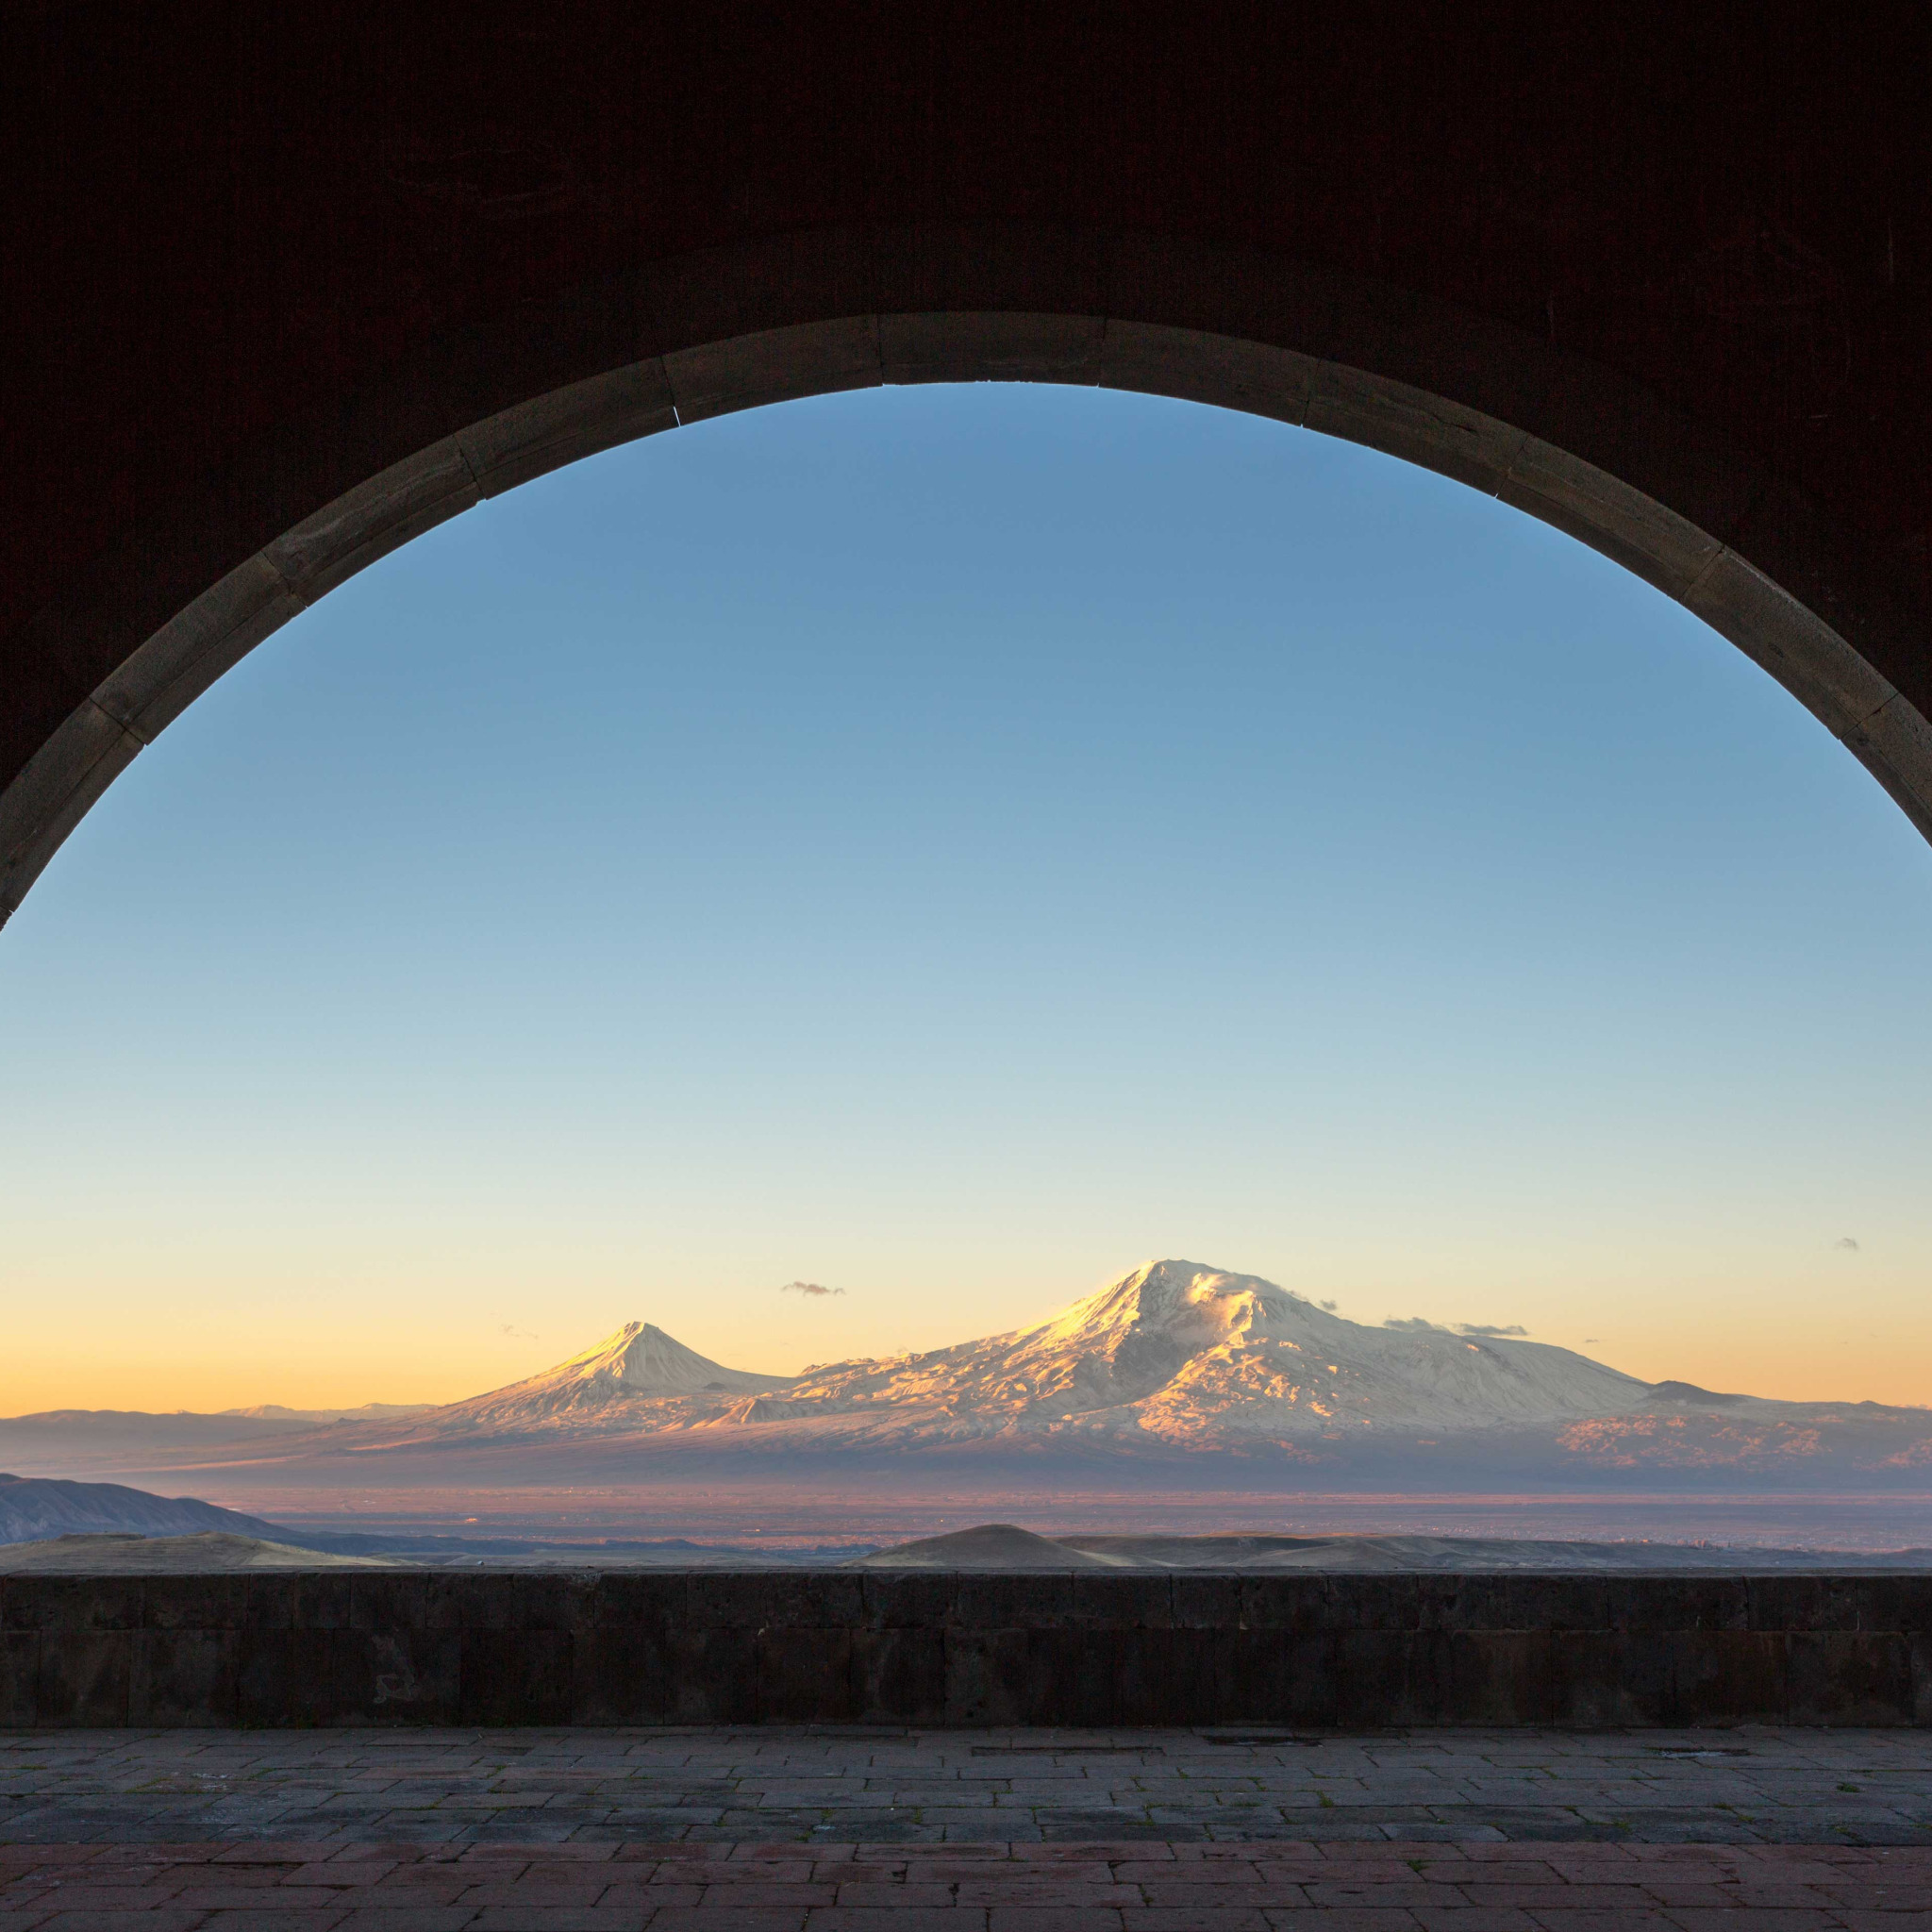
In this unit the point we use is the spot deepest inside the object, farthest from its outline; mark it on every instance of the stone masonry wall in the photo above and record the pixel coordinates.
(436, 1647)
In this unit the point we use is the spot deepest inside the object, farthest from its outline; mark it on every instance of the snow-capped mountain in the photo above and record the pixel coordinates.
(1173, 1365)
(622, 1382)
(1186, 1356)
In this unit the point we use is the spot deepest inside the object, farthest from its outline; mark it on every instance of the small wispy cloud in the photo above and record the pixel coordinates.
(521, 1334)
(1417, 1324)
(1330, 1306)
(810, 1287)
(1844, 1241)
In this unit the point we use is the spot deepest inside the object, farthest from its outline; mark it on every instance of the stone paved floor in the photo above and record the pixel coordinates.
(802, 1830)
(805, 1786)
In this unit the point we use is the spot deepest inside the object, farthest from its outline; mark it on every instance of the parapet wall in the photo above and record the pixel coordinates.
(431, 1647)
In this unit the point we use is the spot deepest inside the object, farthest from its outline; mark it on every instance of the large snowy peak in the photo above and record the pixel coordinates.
(1172, 1362)
(1190, 1354)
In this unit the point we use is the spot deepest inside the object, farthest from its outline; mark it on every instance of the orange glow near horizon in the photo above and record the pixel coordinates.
(426, 1347)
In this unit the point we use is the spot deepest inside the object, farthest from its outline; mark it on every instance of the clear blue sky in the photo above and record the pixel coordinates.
(953, 844)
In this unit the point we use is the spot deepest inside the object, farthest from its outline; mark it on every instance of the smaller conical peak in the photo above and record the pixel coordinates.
(640, 1358)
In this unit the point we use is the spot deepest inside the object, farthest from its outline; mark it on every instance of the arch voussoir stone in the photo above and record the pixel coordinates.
(1591, 454)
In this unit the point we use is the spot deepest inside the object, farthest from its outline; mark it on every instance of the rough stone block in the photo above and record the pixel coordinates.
(82, 755)
(319, 1599)
(1900, 1602)
(1622, 455)
(1167, 1677)
(73, 1603)
(1725, 1676)
(519, 1676)
(766, 1599)
(597, 413)
(368, 522)
(1131, 1601)
(990, 347)
(193, 1603)
(1284, 1602)
(1370, 1602)
(1386, 1677)
(267, 1603)
(1612, 517)
(324, 1648)
(398, 1677)
(20, 1670)
(186, 656)
(1042, 1602)
(184, 1677)
(506, 1600)
(1848, 1677)
(1563, 1603)
(774, 366)
(1919, 1646)
(1276, 1677)
(1692, 1603)
(1796, 646)
(1802, 1603)
(1427, 429)
(1894, 744)
(908, 1599)
(1498, 1676)
(621, 1673)
(270, 1690)
(899, 1675)
(414, 1675)
(1029, 1676)
(1602, 1677)
(1205, 1602)
(394, 1600)
(714, 1675)
(639, 1599)
(805, 1674)
(1512, 1602)
(83, 1676)
(1254, 378)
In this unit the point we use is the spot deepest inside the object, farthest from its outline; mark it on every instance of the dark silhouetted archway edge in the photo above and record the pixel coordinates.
(292, 285)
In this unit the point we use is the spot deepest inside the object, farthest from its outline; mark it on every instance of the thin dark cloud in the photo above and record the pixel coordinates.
(1847, 1242)
(1330, 1306)
(810, 1287)
(1489, 1329)
(519, 1334)
(1413, 1325)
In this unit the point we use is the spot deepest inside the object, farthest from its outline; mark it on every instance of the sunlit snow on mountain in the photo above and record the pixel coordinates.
(1176, 1373)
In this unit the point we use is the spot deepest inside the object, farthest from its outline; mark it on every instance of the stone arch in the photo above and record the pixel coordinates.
(181, 600)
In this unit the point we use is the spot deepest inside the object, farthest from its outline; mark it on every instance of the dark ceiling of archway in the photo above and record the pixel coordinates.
(229, 216)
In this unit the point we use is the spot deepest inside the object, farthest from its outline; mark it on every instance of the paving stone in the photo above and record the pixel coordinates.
(472, 1831)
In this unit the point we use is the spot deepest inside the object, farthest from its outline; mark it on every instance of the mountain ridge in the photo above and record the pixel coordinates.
(1175, 1365)
(34, 1509)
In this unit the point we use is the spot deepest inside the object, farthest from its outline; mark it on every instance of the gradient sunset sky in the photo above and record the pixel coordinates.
(953, 844)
